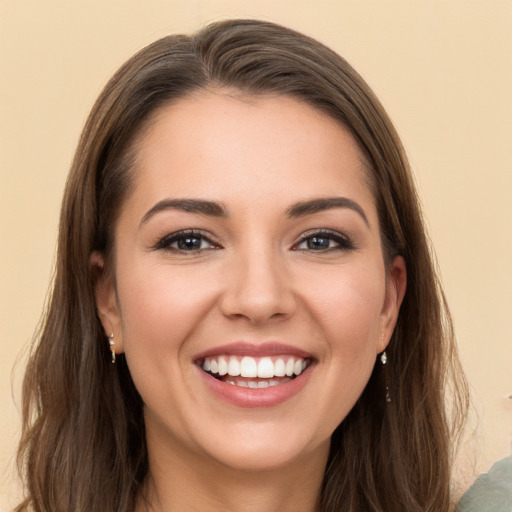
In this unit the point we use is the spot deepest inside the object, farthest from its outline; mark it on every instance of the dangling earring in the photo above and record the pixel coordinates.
(111, 344)
(384, 360)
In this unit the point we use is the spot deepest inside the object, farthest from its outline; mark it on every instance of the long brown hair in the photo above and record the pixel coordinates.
(83, 442)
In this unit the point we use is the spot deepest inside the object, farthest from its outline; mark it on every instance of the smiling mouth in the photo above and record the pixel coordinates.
(254, 372)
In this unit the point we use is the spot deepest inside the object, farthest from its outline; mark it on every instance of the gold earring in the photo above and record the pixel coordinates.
(111, 345)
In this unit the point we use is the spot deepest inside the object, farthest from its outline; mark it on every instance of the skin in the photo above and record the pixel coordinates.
(255, 280)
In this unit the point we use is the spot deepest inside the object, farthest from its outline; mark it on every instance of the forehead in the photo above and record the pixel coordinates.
(224, 146)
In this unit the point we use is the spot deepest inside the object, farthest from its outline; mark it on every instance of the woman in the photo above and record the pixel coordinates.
(241, 237)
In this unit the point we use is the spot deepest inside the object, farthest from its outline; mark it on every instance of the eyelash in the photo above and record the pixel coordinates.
(343, 242)
(174, 238)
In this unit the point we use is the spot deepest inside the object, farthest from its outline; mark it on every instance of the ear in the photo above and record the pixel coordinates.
(106, 300)
(396, 284)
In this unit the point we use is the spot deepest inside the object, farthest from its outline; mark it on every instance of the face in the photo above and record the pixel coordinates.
(251, 296)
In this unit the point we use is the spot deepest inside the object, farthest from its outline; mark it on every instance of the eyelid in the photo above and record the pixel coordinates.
(344, 241)
(165, 242)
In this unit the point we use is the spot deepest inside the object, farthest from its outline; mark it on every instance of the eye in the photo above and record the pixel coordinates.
(186, 241)
(323, 241)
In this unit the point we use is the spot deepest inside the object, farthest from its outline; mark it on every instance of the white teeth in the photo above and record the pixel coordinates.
(223, 366)
(290, 365)
(297, 368)
(265, 368)
(256, 384)
(248, 367)
(279, 368)
(234, 367)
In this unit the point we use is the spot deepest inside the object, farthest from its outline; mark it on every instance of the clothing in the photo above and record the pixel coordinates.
(491, 492)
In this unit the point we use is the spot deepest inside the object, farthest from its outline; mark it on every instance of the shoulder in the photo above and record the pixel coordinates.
(491, 492)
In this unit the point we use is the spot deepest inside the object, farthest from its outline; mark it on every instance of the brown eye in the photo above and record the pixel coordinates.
(186, 241)
(189, 243)
(318, 243)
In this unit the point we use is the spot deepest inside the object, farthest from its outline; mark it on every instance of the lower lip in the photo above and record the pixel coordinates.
(256, 397)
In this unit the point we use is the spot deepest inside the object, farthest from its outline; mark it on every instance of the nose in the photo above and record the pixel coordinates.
(258, 288)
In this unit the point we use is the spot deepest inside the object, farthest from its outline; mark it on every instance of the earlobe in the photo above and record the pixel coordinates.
(106, 299)
(396, 284)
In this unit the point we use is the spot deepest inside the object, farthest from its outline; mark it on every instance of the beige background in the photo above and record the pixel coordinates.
(442, 69)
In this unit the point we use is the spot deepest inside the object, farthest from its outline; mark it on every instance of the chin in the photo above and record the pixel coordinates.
(259, 448)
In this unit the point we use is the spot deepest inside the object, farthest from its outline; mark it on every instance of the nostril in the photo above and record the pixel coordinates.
(258, 309)
(258, 288)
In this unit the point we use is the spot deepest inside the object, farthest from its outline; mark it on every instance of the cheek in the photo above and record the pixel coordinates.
(161, 305)
(162, 308)
(347, 310)
(348, 307)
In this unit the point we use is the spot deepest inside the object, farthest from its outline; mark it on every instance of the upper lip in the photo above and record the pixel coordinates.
(254, 350)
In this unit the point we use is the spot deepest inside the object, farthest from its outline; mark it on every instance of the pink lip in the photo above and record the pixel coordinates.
(254, 350)
(260, 397)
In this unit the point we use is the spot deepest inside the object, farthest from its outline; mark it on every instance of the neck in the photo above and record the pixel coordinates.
(182, 481)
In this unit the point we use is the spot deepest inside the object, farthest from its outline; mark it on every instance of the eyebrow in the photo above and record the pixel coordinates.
(210, 208)
(320, 204)
(215, 209)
